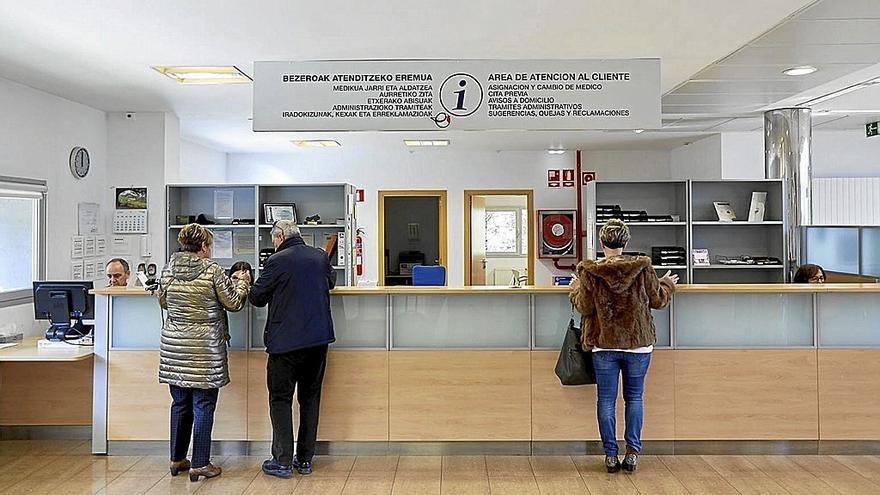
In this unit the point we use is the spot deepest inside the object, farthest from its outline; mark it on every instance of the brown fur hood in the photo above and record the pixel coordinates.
(615, 299)
(619, 274)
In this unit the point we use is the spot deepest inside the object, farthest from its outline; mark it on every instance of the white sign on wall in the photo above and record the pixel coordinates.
(456, 94)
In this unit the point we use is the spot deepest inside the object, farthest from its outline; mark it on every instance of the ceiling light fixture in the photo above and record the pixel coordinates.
(638, 131)
(316, 143)
(555, 151)
(204, 75)
(800, 70)
(426, 142)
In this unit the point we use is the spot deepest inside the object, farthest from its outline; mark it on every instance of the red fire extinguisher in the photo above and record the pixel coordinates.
(359, 252)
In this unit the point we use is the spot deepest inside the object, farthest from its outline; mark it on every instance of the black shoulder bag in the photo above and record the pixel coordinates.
(574, 365)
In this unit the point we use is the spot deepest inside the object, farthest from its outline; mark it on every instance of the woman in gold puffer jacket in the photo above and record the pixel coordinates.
(192, 356)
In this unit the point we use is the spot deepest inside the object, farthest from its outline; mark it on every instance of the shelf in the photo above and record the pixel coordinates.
(739, 223)
(217, 226)
(674, 267)
(740, 267)
(339, 268)
(304, 226)
(652, 224)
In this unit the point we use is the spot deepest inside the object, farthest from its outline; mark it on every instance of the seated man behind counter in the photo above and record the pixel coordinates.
(295, 282)
(118, 272)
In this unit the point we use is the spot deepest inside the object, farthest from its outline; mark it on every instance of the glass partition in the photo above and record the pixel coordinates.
(358, 321)
(136, 322)
(743, 320)
(552, 312)
(849, 319)
(834, 248)
(238, 328)
(455, 321)
(871, 251)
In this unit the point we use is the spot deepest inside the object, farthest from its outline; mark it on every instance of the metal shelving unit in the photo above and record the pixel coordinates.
(330, 201)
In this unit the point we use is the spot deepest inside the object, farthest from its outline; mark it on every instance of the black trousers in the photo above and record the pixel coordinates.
(300, 371)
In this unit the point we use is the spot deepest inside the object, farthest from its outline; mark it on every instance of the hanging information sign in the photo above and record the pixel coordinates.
(421, 95)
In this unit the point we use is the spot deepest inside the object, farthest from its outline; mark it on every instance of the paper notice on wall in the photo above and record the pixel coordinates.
(76, 270)
(222, 244)
(90, 246)
(120, 245)
(89, 218)
(77, 246)
(90, 269)
(243, 243)
(223, 204)
(100, 245)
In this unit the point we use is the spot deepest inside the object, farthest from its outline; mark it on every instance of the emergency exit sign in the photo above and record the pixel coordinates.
(871, 129)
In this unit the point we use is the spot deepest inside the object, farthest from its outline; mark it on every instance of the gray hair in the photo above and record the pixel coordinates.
(285, 228)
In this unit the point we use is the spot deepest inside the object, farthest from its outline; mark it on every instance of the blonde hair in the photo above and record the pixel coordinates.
(193, 236)
(614, 234)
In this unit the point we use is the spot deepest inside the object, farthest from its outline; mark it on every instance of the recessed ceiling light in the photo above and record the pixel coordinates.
(800, 70)
(426, 142)
(316, 143)
(638, 131)
(204, 75)
(555, 151)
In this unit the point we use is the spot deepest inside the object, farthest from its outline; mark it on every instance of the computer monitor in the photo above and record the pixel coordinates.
(61, 302)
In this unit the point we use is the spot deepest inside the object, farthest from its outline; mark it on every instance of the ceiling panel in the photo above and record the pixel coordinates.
(842, 9)
(817, 55)
(830, 32)
(783, 88)
(774, 72)
(719, 99)
(746, 124)
(710, 110)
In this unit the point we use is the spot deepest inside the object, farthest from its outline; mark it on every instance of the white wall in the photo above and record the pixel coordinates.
(198, 164)
(742, 155)
(38, 132)
(139, 152)
(845, 154)
(450, 169)
(698, 160)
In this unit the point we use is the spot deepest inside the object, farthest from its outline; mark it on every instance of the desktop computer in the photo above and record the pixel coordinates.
(67, 305)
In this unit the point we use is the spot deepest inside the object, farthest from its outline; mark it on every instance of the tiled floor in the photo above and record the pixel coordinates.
(62, 467)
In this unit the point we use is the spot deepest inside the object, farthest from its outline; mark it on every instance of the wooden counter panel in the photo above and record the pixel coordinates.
(756, 394)
(569, 413)
(46, 393)
(138, 406)
(259, 427)
(849, 394)
(460, 395)
(354, 401)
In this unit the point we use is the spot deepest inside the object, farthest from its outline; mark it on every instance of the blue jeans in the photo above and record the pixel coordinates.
(609, 365)
(192, 416)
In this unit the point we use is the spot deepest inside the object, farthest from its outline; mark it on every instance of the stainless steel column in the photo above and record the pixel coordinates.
(787, 147)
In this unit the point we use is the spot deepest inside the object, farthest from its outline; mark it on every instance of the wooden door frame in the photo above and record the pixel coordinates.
(530, 199)
(412, 193)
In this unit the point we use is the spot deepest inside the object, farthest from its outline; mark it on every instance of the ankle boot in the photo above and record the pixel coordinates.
(612, 463)
(209, 471)
(630, 461)
(178, 467)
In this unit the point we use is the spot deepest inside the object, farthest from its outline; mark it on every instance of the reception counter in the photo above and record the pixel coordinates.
(756, 368)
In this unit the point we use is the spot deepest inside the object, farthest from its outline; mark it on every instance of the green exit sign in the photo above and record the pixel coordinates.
(871, 129)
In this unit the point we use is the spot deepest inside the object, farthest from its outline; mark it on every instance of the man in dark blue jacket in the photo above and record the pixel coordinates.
(295, 282)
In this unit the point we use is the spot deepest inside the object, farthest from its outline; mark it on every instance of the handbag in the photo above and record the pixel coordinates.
(574, 366)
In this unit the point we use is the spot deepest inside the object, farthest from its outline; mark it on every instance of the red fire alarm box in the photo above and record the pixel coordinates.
(556, 234)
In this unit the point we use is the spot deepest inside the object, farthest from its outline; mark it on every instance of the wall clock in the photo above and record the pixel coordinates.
(79, 162)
